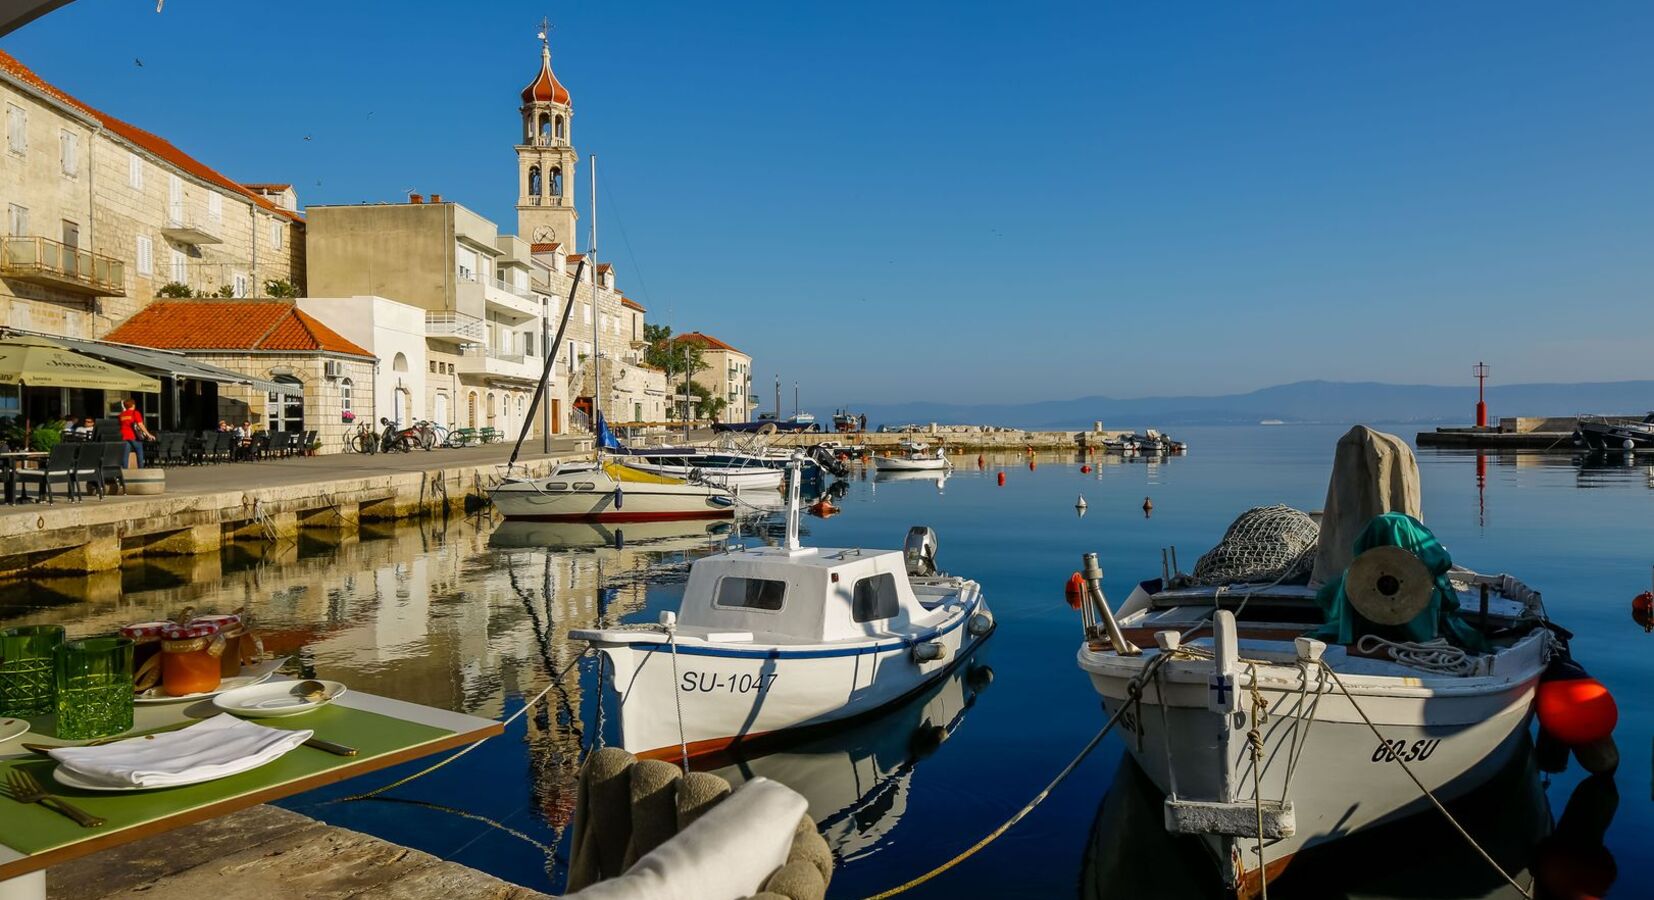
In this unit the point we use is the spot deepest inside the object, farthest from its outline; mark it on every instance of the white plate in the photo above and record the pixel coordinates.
(268, 701)
(11, 728)
(250, 675)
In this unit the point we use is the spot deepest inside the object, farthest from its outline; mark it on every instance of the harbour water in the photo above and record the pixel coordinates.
(471, 616)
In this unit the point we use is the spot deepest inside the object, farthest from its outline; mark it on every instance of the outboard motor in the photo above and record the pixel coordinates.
(919, 551)
(824, 458)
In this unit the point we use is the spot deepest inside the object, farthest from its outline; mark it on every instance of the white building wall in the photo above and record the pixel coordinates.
(394, 333)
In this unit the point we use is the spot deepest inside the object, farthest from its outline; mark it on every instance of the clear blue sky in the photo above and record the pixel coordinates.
(986, 201)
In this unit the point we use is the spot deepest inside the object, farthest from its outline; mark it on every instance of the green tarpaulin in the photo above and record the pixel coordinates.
(1439, 619)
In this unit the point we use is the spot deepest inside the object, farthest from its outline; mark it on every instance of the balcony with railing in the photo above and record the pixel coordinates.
(188, 228)
(454, 327)
(516, 305)
(499, 363)
(41, 261)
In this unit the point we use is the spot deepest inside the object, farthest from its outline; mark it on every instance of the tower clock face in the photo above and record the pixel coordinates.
(545, 234)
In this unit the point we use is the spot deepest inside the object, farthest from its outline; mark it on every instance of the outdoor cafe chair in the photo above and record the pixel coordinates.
(86, 469)
(111, 467)
(59, 466)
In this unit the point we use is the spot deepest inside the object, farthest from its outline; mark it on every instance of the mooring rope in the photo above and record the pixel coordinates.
(1133, 690)
(1525, 892)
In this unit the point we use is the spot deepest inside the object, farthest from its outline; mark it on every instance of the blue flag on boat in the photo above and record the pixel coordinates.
(605, 438)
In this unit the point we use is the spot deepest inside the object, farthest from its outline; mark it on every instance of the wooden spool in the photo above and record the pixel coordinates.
(145, 481)
(1388, 586)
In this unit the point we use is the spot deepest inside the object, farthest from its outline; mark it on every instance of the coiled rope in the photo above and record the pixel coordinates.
(1434, 655)
(1133, 690)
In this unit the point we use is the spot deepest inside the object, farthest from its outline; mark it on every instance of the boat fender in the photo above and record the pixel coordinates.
(1600, 757)
(1074, 591)
(980, 624)
(620, 496)
(1573, 706)
(930, 651)
(1642, 610)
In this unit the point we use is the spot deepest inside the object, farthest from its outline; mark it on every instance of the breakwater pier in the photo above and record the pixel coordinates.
(963, 438)
(260, 504)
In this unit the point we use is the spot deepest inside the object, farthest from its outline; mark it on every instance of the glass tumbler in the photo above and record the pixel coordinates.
(94, 688)
(26, 669)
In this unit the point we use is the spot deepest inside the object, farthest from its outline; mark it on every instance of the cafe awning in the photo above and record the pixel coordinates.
(172, 365)
(37, 362)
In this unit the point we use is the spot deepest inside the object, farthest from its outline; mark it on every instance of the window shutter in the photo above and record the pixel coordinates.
(135, 172)
(146, 256)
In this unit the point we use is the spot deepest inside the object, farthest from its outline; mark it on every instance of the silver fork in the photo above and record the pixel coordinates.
(25, 788)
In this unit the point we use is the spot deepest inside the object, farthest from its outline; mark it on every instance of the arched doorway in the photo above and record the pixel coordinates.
(285, 412)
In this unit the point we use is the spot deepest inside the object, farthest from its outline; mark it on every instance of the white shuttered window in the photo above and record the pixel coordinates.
(146, 256)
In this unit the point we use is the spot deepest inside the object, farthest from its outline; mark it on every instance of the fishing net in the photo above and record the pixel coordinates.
(1266, 543)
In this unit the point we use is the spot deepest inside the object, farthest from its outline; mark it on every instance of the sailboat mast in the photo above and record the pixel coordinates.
(597, 353)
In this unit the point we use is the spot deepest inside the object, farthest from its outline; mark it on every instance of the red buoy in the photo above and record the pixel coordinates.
(980, 462)
(1576, 710)
(1085, 470)
(1031, 465)
(1074, 591)
(1002, 478)
(1642, 610)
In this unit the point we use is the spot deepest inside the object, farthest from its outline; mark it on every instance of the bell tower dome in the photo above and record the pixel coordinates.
(546, 158)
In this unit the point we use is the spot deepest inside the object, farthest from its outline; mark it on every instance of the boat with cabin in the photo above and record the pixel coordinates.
(771, 639)
(1601, 433)
(1276, 715)
(911, 456)
(609, 492)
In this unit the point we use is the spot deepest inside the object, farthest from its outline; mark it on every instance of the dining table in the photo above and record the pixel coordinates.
(382, 731)
(9, 461)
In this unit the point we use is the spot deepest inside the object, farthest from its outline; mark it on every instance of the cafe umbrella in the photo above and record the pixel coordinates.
(39, 363)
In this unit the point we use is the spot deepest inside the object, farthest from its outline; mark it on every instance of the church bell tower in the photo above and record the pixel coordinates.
(546, 159)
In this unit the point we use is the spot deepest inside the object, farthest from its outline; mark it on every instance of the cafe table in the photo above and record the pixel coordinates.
(384, 732)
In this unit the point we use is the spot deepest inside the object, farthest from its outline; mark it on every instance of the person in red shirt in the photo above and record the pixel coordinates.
(133, 432)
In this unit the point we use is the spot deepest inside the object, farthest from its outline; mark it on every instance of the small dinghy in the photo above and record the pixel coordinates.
(910, 457)
(609, 492)
(1275, 716)
(769, 639)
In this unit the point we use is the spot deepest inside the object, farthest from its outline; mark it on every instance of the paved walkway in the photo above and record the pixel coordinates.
(217, 477)
(267, 853)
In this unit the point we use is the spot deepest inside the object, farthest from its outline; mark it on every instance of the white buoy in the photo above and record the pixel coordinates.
(1080, 503)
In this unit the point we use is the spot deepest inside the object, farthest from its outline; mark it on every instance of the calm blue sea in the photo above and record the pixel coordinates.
(458, 616)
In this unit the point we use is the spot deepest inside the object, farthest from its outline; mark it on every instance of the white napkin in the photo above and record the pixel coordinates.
(220, 746)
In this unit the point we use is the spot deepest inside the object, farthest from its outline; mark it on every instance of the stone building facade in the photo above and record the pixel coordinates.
(101, 214)
(727, 374)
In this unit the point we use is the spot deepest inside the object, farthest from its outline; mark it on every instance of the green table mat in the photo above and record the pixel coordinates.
(31, 828)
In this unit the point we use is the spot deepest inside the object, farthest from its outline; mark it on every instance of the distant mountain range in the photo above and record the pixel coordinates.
(1335, 402)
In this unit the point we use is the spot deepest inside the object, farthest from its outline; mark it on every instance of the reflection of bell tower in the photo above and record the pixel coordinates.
(546, 159)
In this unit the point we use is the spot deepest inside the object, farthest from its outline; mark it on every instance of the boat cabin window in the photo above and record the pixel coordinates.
(585, 485)
(558, 486)
(874, 599)
(750, 593)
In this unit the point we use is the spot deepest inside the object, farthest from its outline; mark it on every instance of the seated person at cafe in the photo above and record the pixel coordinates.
(223, 426)
(85, 428)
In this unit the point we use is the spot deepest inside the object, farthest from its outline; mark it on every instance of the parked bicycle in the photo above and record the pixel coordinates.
(363, 440)
(431, 434)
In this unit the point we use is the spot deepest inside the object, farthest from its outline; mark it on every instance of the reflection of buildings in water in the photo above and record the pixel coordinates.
(857, 778)
(1130, 853)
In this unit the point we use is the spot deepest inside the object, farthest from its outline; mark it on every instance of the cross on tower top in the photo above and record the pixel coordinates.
(545, 33)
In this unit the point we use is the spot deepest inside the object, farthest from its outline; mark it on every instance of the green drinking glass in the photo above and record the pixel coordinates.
(26, 669)
(94, 688)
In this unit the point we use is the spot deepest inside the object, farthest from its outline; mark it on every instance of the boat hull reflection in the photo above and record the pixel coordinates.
(857, 777)
(1130, 853)
(679, 535)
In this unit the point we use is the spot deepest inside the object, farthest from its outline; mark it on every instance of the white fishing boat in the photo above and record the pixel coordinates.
(609, 492)
(1273, 722)
(911, 456)
(720, 470)
(774, 638)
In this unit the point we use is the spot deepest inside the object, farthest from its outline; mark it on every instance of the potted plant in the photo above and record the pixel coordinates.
(347, 417)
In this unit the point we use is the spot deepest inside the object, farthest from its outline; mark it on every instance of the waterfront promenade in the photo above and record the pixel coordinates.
(268, 501)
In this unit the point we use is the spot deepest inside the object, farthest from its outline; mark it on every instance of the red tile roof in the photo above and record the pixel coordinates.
(545, 88)
(604, 267)
(544, 248)
(230, 325)
(155, 144)
(629, 303)
(576, 257)
(706, 341)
